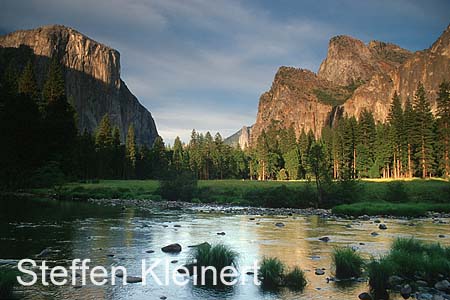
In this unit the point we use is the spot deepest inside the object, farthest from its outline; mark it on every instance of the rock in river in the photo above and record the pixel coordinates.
(324, 239)
(172, 248)
(406, 291)
(319, 272)
(133, 279)
(365, 296)
(442, 285)
(382, 226)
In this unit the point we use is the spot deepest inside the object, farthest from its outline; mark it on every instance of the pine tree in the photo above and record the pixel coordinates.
(159, 159)
(423, 133)
(27, 84)
(365, 143)
(443, 114)
(395, 119)
(178, 155)
(131, 152)
(104, 137)
(54, 85)
(409, 127)
(262, 155)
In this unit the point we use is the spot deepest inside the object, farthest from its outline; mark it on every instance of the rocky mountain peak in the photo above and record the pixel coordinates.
(349, 61)
(92, 77)
(353, 77)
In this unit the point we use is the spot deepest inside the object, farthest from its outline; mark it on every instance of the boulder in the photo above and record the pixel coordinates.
(133, 279)
(324, 239)
(319, 272)
(172, 248)
(406, 291)
(442, 285)
(382, 226)
(365, 296)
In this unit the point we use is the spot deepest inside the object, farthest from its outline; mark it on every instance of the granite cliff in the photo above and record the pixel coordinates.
(354, 76)
(92, 78)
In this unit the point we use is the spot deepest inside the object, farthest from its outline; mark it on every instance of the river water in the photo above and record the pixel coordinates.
(114, 236)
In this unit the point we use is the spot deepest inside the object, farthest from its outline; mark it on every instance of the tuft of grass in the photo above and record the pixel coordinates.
(379, 272)
(347, 263)
(7, 282)
(409, 258)
(271, 272)
(295, 279)
(218, 256)
(429, 259)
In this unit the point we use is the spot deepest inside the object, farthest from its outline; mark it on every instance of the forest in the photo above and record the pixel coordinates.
(43, 146)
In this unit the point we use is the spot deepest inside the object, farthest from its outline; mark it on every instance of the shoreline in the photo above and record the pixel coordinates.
(217, 208)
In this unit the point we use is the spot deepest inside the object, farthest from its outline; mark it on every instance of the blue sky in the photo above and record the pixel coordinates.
(204, 63)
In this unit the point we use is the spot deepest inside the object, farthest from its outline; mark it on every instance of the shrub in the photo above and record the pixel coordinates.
(271, 272)
(218, 256)
(181, 187)
(347, 263)
(295, 279)
(7, 282)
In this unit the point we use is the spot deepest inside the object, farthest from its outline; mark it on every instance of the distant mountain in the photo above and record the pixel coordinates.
(353, 77)
(92, 77)
(241, 138)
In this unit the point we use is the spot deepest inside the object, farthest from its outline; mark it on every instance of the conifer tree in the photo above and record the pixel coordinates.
(423, 131)
(54, 88)
(409, 127)
(395, 119)
(131, 152)
(104, 137)
(443, 114)
(27, 84)
(178, 155)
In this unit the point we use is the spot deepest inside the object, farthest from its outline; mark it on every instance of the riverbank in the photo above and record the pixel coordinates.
(412, 198)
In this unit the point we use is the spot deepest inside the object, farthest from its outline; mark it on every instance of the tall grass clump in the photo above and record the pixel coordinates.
(347, 263)
(7, 282)
(379, 272)
(412, 257)
(295, 279)
(271, 272)
(217, 256)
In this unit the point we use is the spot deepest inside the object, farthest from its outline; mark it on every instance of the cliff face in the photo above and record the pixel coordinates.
(354, 76)
(241, 138)
(92, 78)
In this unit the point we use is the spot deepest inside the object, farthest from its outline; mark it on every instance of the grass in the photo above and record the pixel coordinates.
(379, 272)
(218, 256)
(347, 263)
(392, 209)
(370, 198)
(430, 259)
(409, 259)
(271, 272)
(7, 282)
(295, 279)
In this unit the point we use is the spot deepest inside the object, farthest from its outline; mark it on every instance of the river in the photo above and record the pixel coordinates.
(113, 236)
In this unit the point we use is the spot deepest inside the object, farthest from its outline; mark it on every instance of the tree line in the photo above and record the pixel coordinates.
(41, 143)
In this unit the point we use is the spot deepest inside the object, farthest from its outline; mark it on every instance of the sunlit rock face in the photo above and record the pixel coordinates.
(354, 76)
(92, 78)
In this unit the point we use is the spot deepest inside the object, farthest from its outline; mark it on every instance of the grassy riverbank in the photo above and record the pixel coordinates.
(411, 198)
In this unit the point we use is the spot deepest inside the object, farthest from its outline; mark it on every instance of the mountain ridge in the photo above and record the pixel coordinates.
(353, 76)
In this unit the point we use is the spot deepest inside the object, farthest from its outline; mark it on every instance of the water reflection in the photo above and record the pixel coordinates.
(112, 237)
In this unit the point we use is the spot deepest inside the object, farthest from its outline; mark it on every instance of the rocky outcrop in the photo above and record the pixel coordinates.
(240, 138)
(353, 77)
(350, 61)
(92, 78)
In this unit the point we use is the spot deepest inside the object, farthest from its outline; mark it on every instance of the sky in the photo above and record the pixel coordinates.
(204, 63)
